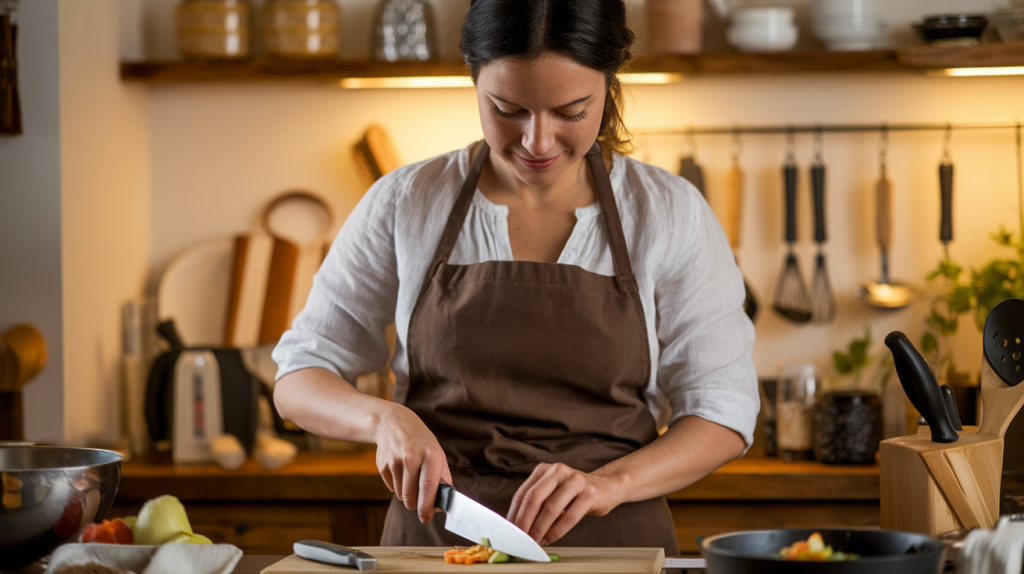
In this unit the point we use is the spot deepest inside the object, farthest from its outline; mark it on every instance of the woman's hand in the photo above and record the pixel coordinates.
(556, 497)
(410, 460)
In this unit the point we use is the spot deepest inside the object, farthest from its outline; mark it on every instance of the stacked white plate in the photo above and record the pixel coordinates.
(847, 25)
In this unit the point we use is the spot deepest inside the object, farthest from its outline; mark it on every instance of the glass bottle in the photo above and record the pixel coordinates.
(10, 104)
(301, 28)
(403, 30)
(214, 29)
(795, 412)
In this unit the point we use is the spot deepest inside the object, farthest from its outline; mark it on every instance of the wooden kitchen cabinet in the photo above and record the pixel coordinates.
(340, 498)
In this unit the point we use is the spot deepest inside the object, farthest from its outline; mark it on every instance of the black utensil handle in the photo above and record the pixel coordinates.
(444, 496)
(950, 400)
(169, 331)
(921, 388)
(946, 196)
(818, 189)
(789, 177)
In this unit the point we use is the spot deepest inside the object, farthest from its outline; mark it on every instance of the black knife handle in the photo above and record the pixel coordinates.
(818, 191)
(444, 496)
(789, 178)
(921, 388)
(950, 400)
(946, 197)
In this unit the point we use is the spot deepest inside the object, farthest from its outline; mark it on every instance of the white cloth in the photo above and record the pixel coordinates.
(997, 551)
(692, 291)
(164, 559)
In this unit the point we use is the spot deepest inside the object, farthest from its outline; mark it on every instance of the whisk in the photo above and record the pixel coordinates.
(823, 302)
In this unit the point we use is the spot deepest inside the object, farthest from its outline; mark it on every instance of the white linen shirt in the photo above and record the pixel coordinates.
(691, 289)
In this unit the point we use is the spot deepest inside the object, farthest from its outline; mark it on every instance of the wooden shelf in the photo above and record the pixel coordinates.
(911, 59)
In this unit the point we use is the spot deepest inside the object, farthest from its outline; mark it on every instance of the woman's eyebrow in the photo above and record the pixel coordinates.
(574, 102)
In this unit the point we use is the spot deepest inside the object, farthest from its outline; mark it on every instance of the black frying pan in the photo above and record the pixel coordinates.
(882, 552)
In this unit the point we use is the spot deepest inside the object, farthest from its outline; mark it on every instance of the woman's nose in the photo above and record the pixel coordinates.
(539, 136)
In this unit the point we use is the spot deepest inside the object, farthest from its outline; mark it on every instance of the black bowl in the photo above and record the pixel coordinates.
(881, 551)
(50, 493)
(952, 27)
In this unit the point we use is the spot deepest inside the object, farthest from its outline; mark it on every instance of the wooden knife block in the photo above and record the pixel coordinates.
(933, 488)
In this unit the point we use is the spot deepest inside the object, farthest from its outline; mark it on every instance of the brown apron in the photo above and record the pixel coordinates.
(515, 363)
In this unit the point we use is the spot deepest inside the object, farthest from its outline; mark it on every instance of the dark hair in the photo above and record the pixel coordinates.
(591, 32)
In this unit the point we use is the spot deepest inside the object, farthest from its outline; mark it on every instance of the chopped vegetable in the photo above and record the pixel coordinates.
(163, 520)
(114, 531)
(471, 555)
(814, 549)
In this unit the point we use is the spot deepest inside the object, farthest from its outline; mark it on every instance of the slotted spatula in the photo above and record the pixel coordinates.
(1001, 373)
(791, 299)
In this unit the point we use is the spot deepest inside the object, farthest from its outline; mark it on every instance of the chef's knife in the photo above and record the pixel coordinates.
(334, 554)
(921, 388)
(474, 521)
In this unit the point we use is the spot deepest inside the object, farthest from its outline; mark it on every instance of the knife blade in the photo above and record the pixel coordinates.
(335, 554)
(473, 521)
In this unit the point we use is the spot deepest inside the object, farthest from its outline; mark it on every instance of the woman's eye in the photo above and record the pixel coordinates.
(498, 111)
(576, 117)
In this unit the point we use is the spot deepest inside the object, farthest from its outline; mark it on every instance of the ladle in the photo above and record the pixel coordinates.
(885, 294)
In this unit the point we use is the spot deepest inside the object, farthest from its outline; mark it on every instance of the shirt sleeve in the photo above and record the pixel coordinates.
(352, 301)
(706, 365)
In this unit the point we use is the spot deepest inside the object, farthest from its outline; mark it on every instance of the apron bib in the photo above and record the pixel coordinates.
(517, 363)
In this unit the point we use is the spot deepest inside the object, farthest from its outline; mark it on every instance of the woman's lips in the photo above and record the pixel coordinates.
(537, 163)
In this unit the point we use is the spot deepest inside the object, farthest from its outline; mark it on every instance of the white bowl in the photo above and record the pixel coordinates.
(762, 38)
(849, 37)
(845, 6)
(766, 16)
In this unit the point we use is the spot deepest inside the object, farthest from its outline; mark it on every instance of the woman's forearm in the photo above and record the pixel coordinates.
(690, 450)
(328, 406)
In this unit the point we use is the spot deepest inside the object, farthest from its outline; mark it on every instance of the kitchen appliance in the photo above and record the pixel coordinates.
(929, 485)
(49, 494)
(430, 559)
(474, 522)
(195, 395)
(791, 299)
(884, 294)
(823, 302)
(404, 30)
(882, 552)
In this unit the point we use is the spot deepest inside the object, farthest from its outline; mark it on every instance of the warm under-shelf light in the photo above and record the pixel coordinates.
(466, 82)
(992, 71)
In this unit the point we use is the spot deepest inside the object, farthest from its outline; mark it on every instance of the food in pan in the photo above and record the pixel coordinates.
(814, 549)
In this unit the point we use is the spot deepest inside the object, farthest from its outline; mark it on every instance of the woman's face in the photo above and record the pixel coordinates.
(540, 115)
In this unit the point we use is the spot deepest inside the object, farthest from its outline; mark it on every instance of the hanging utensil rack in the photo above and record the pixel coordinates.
(829, 128)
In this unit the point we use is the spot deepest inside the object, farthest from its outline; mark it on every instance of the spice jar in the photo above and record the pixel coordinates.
(403, 30)
(847, 427)
(214, 29)
(301, 28)
(795, 412)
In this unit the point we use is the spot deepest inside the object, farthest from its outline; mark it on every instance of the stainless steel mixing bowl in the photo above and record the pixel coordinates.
(49, 494)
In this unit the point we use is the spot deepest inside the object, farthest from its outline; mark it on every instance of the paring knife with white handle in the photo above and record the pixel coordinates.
(474, 521)
(334, 554)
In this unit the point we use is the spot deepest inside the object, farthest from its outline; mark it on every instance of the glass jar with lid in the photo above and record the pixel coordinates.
(214, 29)
(795, 412)
(301, 28)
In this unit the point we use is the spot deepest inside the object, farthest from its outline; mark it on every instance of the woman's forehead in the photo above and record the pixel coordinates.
(549, 77)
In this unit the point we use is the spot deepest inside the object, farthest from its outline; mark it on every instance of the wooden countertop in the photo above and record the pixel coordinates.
(353, 477)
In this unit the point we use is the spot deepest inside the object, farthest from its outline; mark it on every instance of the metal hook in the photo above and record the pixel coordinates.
(790, 145)
(818, 143)
(737, 146)
(883, 146)
(945, 142)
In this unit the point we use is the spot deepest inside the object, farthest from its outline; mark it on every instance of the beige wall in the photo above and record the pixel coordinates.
(105, 201)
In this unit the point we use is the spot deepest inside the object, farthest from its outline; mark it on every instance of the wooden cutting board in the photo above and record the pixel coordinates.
(430, 560)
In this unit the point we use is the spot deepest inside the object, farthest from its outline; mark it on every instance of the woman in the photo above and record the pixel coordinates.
(548, 314)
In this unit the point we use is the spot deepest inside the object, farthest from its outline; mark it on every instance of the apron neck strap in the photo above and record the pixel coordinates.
(605, 198)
